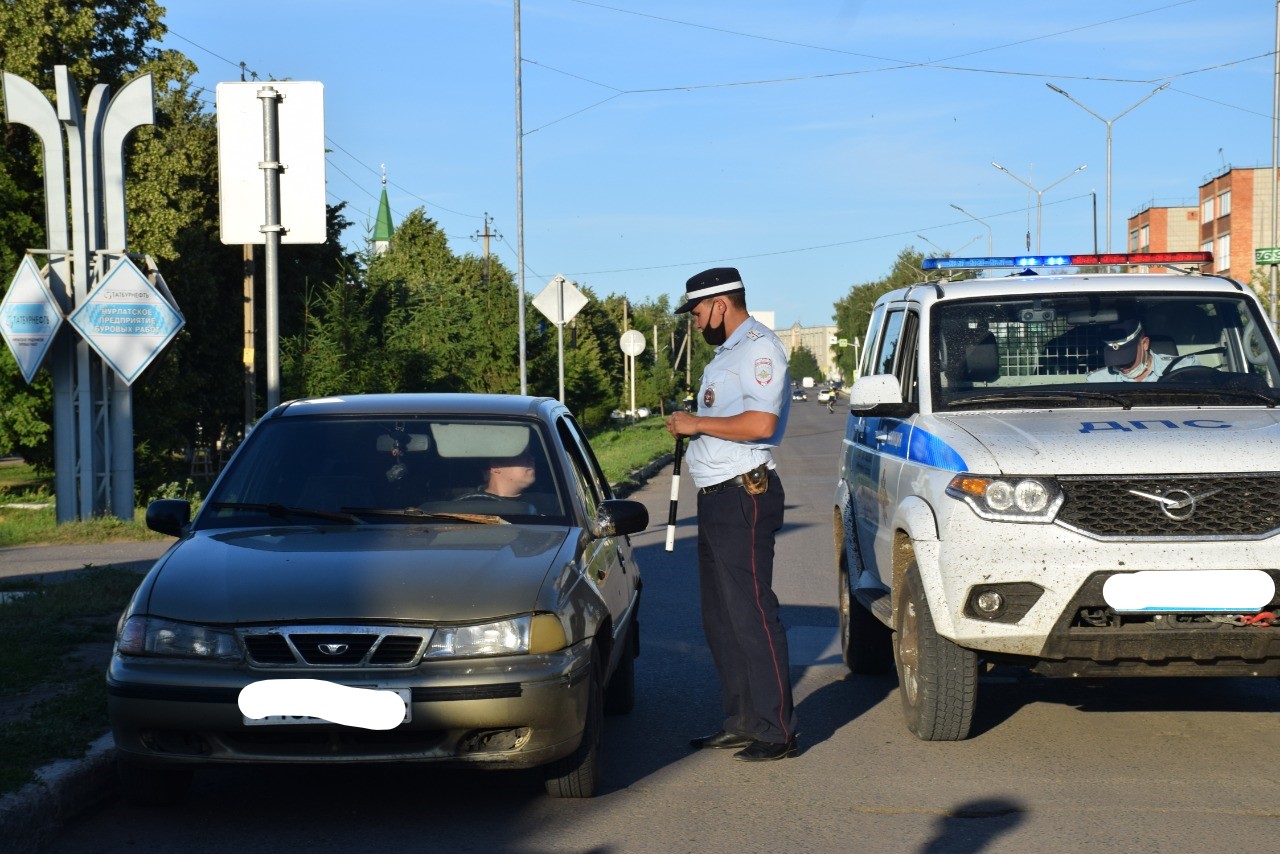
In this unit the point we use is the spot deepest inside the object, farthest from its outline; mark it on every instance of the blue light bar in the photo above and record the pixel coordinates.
(1109, 259)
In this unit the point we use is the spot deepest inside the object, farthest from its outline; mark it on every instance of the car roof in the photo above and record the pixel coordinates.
(1014, 285)
(506, 405)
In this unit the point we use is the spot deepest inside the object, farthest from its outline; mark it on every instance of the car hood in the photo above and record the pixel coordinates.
(1184, 441)
(400, 573)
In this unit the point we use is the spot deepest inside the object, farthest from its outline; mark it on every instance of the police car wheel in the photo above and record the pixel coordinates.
(865, 642)
(937, 679)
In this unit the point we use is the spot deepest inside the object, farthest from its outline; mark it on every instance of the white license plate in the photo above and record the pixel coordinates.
(282, 720)
(1233, 591)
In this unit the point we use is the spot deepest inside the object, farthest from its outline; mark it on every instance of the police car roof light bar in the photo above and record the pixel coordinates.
(1107, 259)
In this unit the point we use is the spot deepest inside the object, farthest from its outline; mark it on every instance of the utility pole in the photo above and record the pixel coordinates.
(484, 236)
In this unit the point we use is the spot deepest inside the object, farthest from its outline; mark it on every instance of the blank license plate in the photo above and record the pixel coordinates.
(281, 720)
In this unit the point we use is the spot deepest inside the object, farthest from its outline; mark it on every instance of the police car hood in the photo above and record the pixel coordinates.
(1135, 441)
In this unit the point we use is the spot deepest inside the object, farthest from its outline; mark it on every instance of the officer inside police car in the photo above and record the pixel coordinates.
(1128, 357)
(743, 403)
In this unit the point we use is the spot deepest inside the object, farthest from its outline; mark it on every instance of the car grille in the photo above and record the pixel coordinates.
(1226, 506)
(335, 646)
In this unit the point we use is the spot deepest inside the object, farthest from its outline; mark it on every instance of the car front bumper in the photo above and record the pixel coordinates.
(509, 712)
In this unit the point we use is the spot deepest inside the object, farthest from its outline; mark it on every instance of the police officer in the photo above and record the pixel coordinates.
(743, 403)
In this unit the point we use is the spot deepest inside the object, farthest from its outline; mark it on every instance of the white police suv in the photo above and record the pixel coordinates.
(1076, 472)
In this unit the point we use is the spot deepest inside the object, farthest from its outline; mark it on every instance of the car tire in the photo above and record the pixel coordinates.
(620, 696)
(938, 679)
(865, 643)
(152, 784)
(578, 774)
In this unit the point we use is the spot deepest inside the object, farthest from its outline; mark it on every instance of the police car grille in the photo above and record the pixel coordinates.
(1225, 506)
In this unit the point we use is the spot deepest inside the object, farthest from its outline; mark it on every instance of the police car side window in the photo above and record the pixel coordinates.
(906, 367)
(887, 353)
(869, 346)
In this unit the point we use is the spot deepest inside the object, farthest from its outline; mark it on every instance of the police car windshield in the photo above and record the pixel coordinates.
(1148, 348)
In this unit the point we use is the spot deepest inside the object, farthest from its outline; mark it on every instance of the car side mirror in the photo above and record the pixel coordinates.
(879, 396)
(619, 517)
(169, 516)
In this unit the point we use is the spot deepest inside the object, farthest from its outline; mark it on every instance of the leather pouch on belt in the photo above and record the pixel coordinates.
(756, 481)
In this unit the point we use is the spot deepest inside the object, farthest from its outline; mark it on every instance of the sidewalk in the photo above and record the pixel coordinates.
(31, 816)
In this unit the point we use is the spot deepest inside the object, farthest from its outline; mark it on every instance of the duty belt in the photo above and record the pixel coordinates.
(739, 480)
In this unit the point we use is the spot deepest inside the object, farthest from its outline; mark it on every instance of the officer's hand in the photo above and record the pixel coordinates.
(681, 424)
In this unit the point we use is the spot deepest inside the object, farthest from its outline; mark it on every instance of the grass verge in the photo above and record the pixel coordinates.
(54, 703)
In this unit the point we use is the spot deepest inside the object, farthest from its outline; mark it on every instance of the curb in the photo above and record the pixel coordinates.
(33, 815)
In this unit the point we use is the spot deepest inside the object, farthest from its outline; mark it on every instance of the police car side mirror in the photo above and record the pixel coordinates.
(879, 396)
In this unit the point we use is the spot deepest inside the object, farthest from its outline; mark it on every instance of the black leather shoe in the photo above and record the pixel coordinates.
(766, 751)
(721, 741)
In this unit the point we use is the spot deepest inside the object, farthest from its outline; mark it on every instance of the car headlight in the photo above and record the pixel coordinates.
(529, 634)
(154, 636)
(1008, 499)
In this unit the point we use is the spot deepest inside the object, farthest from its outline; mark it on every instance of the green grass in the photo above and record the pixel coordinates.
(68, 703)
(624, 449)
(20, 526)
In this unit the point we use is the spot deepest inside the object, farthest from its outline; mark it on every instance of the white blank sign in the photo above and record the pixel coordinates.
(241, 189)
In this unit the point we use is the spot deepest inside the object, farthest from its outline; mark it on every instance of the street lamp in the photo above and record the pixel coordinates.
(1039, 193)
(1108, 123)
(990, 233)
(944, 251)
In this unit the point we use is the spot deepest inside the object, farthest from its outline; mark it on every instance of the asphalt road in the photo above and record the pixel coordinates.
(1121, 765)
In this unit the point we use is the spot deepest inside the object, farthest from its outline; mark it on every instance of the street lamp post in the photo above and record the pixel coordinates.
(1108, 123)
(990, 233)
(945, 252)
(1039, 193)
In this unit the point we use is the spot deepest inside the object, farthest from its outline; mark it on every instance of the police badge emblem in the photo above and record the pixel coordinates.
(764, 371)
(709, 396)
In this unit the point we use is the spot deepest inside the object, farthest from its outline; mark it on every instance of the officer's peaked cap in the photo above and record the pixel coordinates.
(710, 283)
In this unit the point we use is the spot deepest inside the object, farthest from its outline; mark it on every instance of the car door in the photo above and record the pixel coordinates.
(878, 445)
(605, 560)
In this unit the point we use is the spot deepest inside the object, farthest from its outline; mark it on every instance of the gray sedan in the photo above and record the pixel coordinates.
(428, 578)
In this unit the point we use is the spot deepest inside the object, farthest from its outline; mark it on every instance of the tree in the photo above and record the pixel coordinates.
(802, 363)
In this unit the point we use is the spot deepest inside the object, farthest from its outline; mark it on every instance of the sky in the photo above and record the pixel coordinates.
(805, 144)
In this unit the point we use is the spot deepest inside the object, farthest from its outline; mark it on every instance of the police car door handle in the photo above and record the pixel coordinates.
(881, 438)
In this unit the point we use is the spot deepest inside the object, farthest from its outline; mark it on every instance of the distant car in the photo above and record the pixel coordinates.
(799, 394)
(824, 395)
(350, 544)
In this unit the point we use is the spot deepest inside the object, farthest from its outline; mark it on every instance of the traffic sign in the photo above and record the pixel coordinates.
(1270, 255)
(631, 342)
(127, 320)
(560, 292)
(29, 318)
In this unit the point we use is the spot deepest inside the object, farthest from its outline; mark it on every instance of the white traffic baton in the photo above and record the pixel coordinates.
(675, 494)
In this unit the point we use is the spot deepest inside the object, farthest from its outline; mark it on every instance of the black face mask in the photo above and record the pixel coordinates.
(714, 335)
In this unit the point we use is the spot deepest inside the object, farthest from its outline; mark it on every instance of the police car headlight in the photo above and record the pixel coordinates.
(1008, 499)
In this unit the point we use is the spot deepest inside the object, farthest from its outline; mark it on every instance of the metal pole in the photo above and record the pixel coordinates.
(1108, 123)
(271, 176)
(675, 494)
(1275, 156)
(1094, 193)
(560, 329)
(524, 378)
(990, 233)
(1039, 193)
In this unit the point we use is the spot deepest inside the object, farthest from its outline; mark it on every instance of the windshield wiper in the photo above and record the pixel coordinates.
(1044, 395)
(1252, 393)
(415, 513)
(280, 511)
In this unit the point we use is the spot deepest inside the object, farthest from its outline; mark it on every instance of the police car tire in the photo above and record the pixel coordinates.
(620, 696)
(866, 643)
(578, 774)
(937, 679)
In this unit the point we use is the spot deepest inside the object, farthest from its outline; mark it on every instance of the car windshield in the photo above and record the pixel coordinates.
(1101, 349)
(364, 469)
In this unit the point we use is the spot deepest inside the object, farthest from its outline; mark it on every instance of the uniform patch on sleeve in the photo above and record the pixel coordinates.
(764, 371)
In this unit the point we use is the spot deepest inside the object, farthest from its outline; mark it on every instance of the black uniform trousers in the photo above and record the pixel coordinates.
(740, 611)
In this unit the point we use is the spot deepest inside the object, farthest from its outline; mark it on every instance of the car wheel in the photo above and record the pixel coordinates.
(938, 680)
(620, 696)
(152, 784)
(866, 643)
(578, 774)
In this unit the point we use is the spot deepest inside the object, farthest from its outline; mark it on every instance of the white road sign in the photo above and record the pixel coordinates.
(241, 189)
(631, 342)
(560, 292)
(127, 320)
(29, 318)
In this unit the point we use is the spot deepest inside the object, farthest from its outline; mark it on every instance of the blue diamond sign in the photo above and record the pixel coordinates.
(29, 318)
(127, 320)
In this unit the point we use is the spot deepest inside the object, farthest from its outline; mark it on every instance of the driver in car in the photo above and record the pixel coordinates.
(1128, 357)
(505, 479)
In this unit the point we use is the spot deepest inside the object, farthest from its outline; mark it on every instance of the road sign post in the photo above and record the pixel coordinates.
(1270, 255)
(560, 301)
(632, 344)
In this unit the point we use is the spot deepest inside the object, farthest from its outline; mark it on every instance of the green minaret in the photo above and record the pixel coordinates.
(382, 228)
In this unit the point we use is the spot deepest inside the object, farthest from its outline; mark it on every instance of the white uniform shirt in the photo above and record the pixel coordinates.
(748, 373)
(1159, 364)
